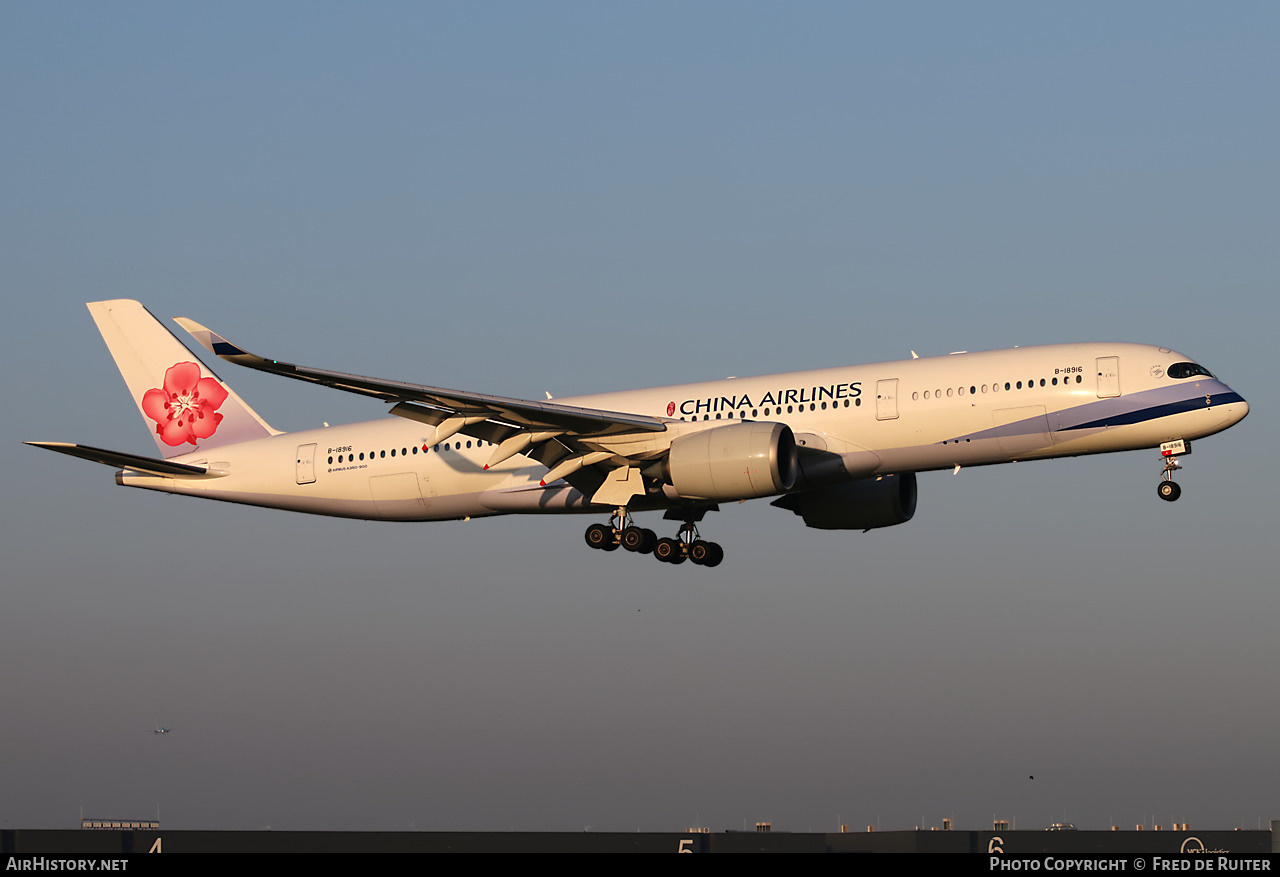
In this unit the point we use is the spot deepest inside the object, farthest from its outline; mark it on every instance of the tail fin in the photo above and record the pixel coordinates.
(187, 406)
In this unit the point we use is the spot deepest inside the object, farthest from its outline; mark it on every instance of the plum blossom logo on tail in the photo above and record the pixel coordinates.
(185, 409)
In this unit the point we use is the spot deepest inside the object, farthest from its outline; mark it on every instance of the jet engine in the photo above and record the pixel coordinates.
(740, 461)
(857, 505)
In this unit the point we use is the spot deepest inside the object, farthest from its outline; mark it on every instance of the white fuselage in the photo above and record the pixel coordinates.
(893, 417)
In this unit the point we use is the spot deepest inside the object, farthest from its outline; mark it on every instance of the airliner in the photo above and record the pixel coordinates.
(838, 447)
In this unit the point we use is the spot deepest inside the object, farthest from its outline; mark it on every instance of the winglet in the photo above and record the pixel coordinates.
(215, 343)
(209, 339)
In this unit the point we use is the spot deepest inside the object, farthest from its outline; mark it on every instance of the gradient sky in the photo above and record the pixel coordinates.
(576, 197)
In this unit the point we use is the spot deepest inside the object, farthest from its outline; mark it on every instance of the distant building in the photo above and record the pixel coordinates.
(119, 824)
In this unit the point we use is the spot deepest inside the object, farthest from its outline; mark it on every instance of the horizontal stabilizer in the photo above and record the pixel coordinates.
(121, 460)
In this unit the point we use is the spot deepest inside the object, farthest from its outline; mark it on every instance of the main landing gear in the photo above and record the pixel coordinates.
(687, 546)
(1168, 489)
(621, 531)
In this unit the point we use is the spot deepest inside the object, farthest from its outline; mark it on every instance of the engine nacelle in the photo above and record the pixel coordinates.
(857, 505)
(740, 461)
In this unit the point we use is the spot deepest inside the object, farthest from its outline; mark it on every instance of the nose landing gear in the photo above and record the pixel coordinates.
(1168, 489)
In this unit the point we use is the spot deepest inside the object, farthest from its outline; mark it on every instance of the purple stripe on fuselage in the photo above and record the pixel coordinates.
(1119, 410)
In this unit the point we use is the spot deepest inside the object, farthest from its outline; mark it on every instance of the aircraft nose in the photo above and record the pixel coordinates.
(1237, 407)
(1242, 410)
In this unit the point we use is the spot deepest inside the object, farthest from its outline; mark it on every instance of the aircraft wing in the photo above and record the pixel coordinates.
(526, 413)
(591, 448)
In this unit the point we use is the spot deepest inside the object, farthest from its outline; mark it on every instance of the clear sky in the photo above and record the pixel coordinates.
(576, 197)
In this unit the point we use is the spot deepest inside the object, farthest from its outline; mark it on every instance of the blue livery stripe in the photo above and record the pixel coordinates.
(226, 348)
(1140, 415)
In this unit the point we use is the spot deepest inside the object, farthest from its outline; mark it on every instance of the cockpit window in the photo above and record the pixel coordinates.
(1187, 370)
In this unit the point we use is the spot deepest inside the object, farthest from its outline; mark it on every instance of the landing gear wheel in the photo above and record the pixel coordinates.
(1169, 491)
(668, 551)
(715, 554)
(706, 553)
(639, 539)
(602, 537)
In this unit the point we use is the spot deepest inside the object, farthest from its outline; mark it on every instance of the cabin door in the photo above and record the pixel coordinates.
(1108, 376)
(887, 399)
(306, 464)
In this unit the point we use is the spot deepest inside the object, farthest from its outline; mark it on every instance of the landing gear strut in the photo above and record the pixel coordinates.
(1168, 489)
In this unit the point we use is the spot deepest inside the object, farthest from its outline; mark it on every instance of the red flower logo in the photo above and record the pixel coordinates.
(186, 408)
